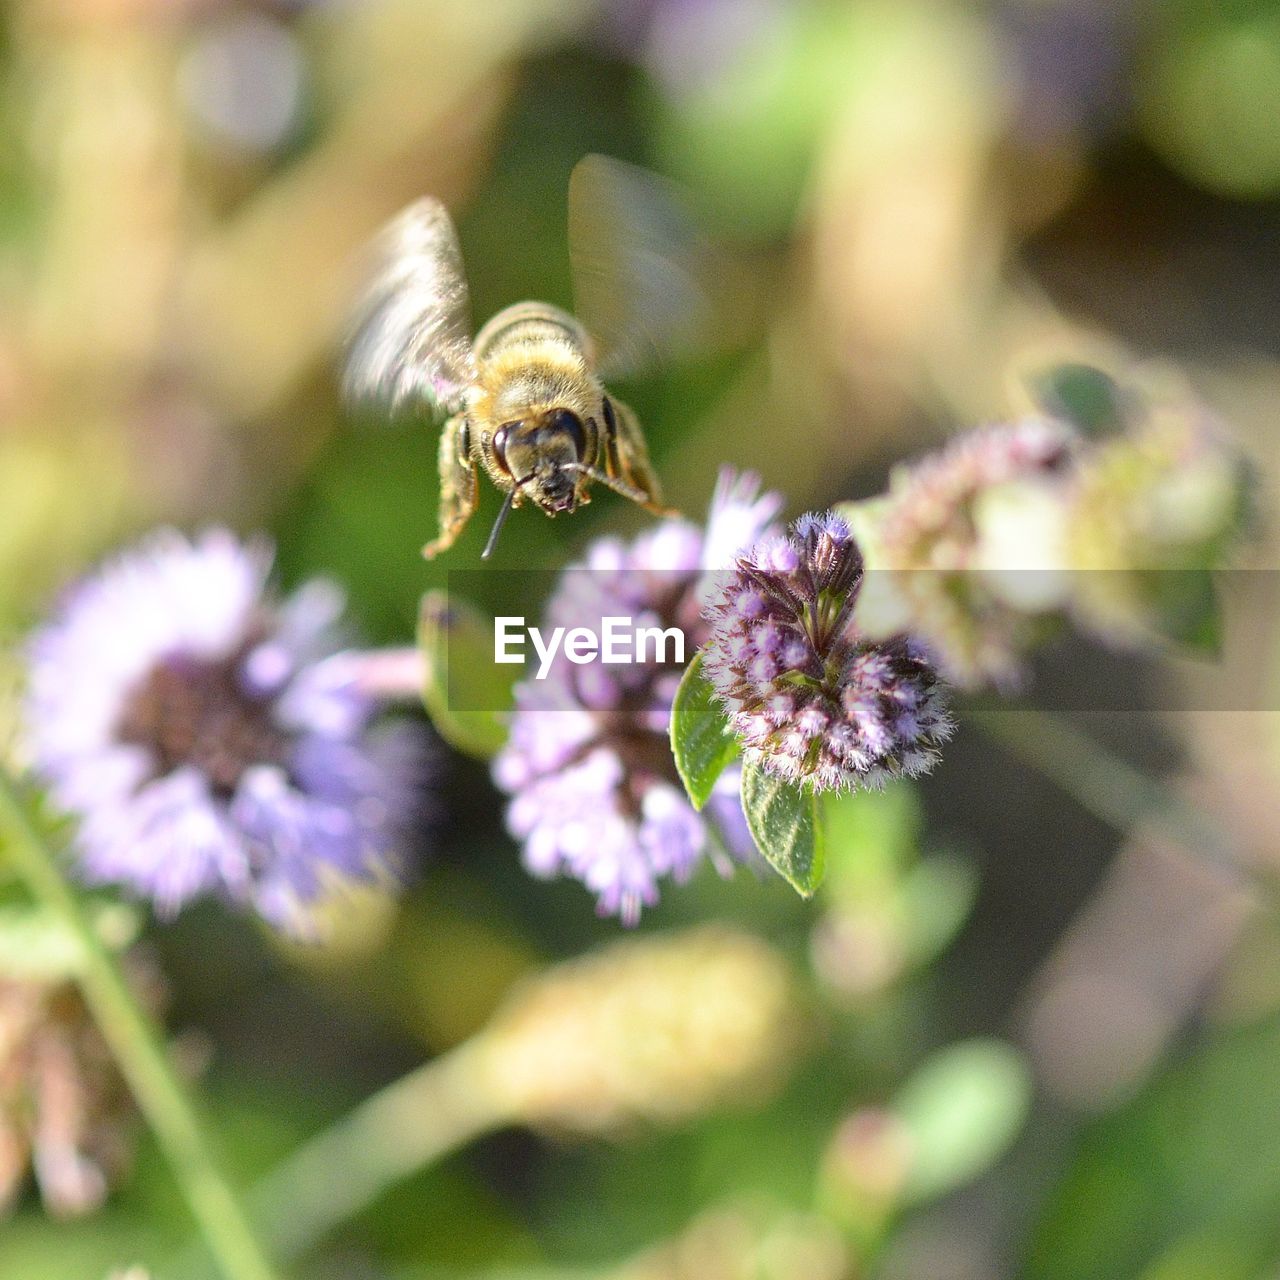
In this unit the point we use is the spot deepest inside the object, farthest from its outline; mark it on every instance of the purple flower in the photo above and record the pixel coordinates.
(943, 564)
(595, 794)
(209, 739)
(811, 699)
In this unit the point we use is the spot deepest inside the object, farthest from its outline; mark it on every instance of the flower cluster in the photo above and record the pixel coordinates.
(940, 564)
(811, 699)
(208, 737)
(983, 547)
(595, 794)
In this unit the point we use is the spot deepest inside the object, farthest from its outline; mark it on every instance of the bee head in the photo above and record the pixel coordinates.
(542, 455)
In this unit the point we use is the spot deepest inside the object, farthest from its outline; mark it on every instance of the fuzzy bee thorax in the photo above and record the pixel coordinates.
(525, 379)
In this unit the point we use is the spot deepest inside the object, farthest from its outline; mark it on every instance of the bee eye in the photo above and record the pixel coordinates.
(500, 438)
(571, 425)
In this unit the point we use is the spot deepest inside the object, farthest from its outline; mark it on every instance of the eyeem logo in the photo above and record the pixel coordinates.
(618, 643)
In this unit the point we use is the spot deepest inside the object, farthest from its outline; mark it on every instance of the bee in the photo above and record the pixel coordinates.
(525, 400)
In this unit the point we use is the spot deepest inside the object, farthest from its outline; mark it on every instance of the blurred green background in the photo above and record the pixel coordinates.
(913, 201)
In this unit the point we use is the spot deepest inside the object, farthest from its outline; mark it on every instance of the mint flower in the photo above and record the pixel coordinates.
(588, 765)
(209, 739)
(812, 700)
(965, 550)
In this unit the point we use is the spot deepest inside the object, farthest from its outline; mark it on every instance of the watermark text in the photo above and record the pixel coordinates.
(619, 642)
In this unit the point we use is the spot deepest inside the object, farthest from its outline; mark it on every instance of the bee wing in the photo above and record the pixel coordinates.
(411, 337)
(637, 257)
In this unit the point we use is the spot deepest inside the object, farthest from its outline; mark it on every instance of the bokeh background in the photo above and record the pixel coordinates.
(913, 200)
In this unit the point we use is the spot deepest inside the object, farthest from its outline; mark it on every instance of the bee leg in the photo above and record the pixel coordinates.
(626, 457)
(459, 484)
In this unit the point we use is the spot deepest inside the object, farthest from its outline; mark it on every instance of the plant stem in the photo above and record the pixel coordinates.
(403, 1128)
(136, 1045)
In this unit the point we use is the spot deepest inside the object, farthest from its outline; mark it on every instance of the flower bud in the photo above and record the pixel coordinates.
(827, 547)
(747, 1241)
(652, 1028)
(866, 1165)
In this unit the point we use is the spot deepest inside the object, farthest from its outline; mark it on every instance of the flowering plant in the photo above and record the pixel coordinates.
(208, 737)
(823, 656)
(820, 852)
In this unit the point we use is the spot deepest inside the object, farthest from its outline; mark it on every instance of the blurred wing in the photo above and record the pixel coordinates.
(411, 336)
(637, 257)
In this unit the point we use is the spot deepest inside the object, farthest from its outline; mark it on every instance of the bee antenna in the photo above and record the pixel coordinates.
(498, 523)
(620, 487)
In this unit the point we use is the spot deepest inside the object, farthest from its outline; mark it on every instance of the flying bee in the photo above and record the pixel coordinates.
(525, 400)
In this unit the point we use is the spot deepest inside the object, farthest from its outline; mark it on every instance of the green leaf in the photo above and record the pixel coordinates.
(1186, 608)
(963, 1109)
(467, 695)
(701, 740)
(1081, 394)
(785, 822)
